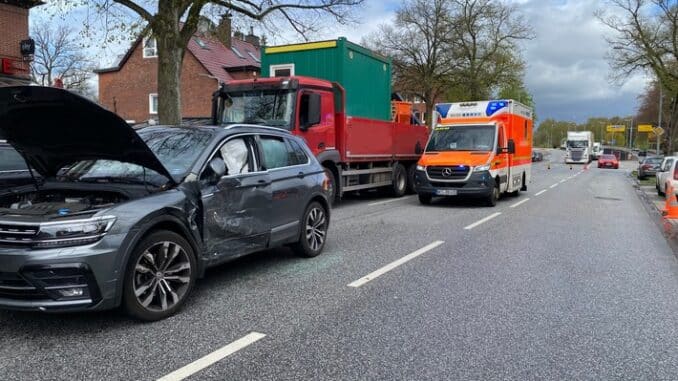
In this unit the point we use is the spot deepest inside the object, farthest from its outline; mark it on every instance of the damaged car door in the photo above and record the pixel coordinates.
(236, 201)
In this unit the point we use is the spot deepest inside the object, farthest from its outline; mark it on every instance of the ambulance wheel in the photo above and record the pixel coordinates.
(524, 187)
(493, 197)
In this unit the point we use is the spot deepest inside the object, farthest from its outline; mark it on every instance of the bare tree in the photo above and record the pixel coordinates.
(462, 49)
(644, 39)
(417, 43)
(174, 22)
(59, 57)
(485, 40)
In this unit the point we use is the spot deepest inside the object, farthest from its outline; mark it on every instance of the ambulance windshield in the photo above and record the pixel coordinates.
(462, 138)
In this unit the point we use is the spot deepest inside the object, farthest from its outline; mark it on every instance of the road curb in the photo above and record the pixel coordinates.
(668, 227)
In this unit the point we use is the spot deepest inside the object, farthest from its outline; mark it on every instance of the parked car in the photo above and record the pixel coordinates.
(13, 169)
(132, 218)
(608, 161)
(649, 166)
(665, 174)
(537, 156)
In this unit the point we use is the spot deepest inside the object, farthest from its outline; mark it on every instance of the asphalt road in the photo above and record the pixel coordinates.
(572, 280)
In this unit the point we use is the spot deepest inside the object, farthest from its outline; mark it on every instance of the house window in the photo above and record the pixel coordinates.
(282, 70)
(150, 47)
(153, 104)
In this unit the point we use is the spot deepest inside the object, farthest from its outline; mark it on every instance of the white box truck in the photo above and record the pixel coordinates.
(579, 147)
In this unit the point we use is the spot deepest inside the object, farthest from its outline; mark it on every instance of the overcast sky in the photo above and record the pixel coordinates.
(566, 68)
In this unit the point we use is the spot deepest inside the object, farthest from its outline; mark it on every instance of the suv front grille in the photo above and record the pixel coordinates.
(17, 234)
(453, 172)
(12, 286)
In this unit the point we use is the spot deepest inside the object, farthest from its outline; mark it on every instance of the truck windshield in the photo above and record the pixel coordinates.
(267, 107)
(462, 138)
(577, 143)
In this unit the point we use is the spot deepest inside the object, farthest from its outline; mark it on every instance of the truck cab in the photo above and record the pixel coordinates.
(480, 149)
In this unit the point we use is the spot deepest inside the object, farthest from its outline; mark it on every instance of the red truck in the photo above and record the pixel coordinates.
(357, 152)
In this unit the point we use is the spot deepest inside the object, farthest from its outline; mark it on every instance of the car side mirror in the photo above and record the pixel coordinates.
(218, 167)
(511, 146)
(309, 111)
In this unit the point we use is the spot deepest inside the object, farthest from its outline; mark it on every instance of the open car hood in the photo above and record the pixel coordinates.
(53, 127)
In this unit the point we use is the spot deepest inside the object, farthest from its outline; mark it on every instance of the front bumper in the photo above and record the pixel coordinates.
(479, 184)
(56, 280)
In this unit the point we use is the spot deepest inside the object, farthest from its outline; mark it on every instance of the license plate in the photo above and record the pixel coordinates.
(446, 192)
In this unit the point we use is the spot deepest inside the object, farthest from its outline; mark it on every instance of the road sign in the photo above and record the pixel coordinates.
(616, 128)
(645, 128)
(658, 131)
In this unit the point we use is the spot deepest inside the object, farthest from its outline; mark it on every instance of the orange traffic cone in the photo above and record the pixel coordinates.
(671, 206)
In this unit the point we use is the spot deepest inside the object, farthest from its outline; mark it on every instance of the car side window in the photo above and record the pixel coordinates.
(297, 154)
(275, 153)
(667, 165)
(237, 156)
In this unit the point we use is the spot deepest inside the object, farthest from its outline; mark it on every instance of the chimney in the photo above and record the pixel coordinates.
(239, 35)
(252, 39)
(224, 30)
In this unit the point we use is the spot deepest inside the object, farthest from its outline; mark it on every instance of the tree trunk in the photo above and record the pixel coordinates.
(170, 59)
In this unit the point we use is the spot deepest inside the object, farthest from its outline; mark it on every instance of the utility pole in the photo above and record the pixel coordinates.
(661, 106)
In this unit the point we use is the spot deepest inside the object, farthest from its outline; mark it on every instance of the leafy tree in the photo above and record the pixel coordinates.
(174, 22)
(644, 39)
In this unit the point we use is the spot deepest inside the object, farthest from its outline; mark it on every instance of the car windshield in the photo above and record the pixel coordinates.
(608, 157)
(267, 107)
(653, 160)
(11, 160)
(462, 138)
(577, 143)
(176, 148)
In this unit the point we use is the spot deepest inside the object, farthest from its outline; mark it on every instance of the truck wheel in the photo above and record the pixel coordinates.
(425, 199)
(399, 186)
(493, 197)
(331, 186)
(410, 178)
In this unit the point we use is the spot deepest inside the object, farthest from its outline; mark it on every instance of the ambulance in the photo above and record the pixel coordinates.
(480, 149)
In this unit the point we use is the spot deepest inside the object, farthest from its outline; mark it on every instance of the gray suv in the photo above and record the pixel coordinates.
(132, 218)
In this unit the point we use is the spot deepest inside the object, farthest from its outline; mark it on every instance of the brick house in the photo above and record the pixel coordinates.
(214, 55)
(14, 66)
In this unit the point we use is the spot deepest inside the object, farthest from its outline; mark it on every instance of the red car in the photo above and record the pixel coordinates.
(608, 161)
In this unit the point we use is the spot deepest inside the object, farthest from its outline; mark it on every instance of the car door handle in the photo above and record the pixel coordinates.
(301, 175)
(262, 183)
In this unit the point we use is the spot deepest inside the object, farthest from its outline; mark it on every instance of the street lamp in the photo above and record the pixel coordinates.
(661, 106)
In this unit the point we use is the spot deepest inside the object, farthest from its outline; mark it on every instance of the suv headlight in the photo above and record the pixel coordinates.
(421, 167)
(482, 168)
(72, 233)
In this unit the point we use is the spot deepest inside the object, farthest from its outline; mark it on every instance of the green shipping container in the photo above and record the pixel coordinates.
(365, 75)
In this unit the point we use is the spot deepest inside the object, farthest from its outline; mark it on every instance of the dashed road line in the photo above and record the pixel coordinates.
(478, 223)
(541, 192)
(213, 357)
(554, 185)
(563, 180)
(517, 204)
(375, 274)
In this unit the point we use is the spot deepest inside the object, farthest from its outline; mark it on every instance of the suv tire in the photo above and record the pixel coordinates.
(160, 275)
(313, 234)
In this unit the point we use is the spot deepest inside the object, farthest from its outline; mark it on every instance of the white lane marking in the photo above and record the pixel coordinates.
(475, 224)
(375, 274)
(519, 203)
(563, 180)
(213, 357)
(389, 201)
(541, 192)
(554, 185)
